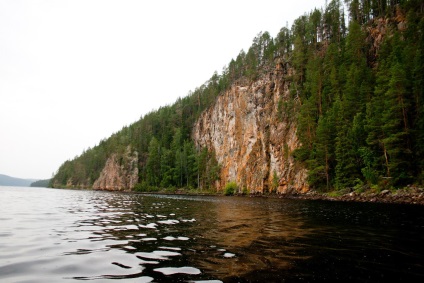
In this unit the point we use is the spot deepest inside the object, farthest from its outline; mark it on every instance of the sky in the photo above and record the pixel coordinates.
(74, 72)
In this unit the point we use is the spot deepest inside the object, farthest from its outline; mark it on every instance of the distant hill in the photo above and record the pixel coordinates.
(41, 183)
(12, 181)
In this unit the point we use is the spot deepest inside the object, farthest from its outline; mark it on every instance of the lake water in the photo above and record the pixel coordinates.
(52, 235)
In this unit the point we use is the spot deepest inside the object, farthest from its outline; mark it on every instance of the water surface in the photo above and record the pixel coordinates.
(51, 235)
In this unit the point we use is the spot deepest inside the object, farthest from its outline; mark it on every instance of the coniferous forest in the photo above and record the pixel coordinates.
(358, 73)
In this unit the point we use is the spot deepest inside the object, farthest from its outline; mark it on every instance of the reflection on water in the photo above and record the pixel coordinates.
(51, 235)
(247, 235)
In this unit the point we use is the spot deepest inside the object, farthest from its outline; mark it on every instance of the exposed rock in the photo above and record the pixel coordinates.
(119, 173)
(252, 137)
(69, 183)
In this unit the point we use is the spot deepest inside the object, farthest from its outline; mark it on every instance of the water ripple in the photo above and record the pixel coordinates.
(50, 235)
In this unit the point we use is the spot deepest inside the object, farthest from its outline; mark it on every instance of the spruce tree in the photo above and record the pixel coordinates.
(396, 127)
(153, 166)
(322, 162)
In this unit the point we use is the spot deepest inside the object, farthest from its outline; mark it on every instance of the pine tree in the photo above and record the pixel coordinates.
(166, 168)
(176, 148)
(356, 91)
(396, 127)
(153, 167)
(350, 139)
(418, 98)
(322, 162)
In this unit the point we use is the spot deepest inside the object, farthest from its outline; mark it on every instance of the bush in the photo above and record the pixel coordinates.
(141, 187)
(301, 154)
(171, 190)
(144, 187)
(230, 189)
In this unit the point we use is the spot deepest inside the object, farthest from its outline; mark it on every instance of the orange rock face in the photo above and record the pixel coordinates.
(119, 173)
(253, 135)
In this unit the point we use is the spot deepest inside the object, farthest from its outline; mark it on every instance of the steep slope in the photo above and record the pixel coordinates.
(252, 138)
(322, 106)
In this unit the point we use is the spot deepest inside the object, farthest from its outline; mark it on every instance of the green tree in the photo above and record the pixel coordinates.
(167, 168)
(153, 166)
(321, 163)
(396, 127)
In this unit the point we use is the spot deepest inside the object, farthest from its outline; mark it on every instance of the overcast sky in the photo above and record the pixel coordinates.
(74, 72)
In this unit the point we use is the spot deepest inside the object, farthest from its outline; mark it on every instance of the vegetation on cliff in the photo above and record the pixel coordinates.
(361, 93)
(361, 121)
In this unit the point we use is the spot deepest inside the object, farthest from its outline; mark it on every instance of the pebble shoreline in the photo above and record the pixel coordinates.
(410, 195)
(402, 196)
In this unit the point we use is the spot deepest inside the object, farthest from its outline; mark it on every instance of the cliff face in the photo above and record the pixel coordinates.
(253, 137)
(119, 173)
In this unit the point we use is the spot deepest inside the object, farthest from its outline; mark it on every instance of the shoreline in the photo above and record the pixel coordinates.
(410, 195)
(413, 197)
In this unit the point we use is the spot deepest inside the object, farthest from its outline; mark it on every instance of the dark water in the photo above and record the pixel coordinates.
(51, 235)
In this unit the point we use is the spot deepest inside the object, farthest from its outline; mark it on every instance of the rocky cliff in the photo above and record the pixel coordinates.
(252, 130)
(119, 173)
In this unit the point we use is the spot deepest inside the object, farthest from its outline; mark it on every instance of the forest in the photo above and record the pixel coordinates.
(41, 183)
(358, 72)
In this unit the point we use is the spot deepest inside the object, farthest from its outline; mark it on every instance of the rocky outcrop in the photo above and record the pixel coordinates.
(120, 172)
(252, 130)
